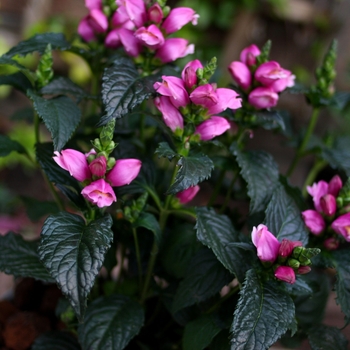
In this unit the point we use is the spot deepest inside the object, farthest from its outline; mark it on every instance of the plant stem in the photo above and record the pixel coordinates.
(301, 149)
(318, 166)
(138, 256)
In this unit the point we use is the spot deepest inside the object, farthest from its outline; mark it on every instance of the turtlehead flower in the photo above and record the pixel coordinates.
(212, 127)
(271, 72)
(226, 98)
(155, 13)
(174, 88)
(241, 74)
(189, 75)
(263, 97)
(173, 49)
(124, 171)
(135, 9)
(178, 17)
(188, 194)
(93, 4)
(287, 246)
(98, 21)
(204, 95)
(285, 273)
(171, 115)
(150, 36)
(328, 204)
(249, 54)
(99, 193)
(314, 221)
(86, 31)
(341, 225)
(335, 185)
(98, 166)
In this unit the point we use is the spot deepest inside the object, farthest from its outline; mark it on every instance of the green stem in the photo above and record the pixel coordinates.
(183, 211)
(318, 166)
(301, 149)
(138, 256)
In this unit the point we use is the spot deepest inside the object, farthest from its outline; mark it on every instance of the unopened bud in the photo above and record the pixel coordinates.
(293, 263)
(302, 270)
(110, 163)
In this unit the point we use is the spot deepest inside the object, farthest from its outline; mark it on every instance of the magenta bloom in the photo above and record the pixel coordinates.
(124, 171)
(173, 49)
(328, 204)
(75, 162)
(93, 4)
(241, 74)
(286, 274)
(341, 225)
(226, 98)
(313, 221)
(135, 9)
(155, 13)
(212, 127)
(151, 36)
(130, 43)
(287, 246)
(335, 185)
(98, 21)
(189, 75)
(174, 88)
(270, 72)
(266, 243)
(86, 31)
(281, 84)
(204, 95)
(317, 191)
(178, 17)
(249, 54)
(188, 194)
(263, 97)
(100, 193)
(171, 115)
(98, 166)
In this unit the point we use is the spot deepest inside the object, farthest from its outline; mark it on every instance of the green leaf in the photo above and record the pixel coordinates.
(60, 114)
(340, 100)
(204, 278)
(192, 170)
(263, 314)
(341, 260)
(56, 340)
(323, 337)
(270, 120)
(20, 258)
(165, 151)
(216, 232)
(7, 146)
(18, 80)
(283, 218)
(199, 333)
(37, 209)
(300, 287)
(10, 62)
(110, 323)
(338, 156)
(149, 221)
(123, 89)
(260, 172)
(39, 43)
(73, 253)
(60, 177)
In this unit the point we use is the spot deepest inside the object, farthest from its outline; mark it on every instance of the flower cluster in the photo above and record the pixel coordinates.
(98, 173)
(263, 82)
(189, 104)
(286, 258)
(326, 219)
(135, 26)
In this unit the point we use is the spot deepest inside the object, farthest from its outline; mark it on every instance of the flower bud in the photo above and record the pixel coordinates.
(263, 97)
(335, 185)
(317, 191)
(188, 194)
(98, 166)
(155, 13)
(212, 127)
(331, 243)
(302, 270)
(293, 263)
(328, 204)
(287, 246)
(241, 74)
(189, 73)
(285, 273)
(124, 171)
(341, 225)
(313, 221)
(86, 31)
(249, 54)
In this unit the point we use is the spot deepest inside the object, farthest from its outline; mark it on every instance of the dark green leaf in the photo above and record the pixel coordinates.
(260, 172)
(283, 218)
(263, 314)
(204, 278)
(294, 192)
(7, 146)
(20, 258)
(10, 62)
(164, 150)
(300, 287)
(221, 341)
(340, 100)
(149, 221)
(270, 120)
(192, 170)
(199, 333)
(56, 340)
(61, 116)
(39, 43)
(17, 80)
(110, 323)
(322, 337)
(37, 209)
(74, 253)
(123, 89)
(216, 232)
(342, 286)
(338, 155)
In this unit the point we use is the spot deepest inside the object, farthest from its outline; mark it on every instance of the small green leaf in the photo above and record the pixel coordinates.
(17, 80)
(263, 314)
(60, 114)
(192, 170)
(7, 146)
(270, 120)
(323, 337)
(260, 172)
(123, 89)
(39, 43)
(73, 253)
(283, 218)
(300, 287)
(10, 62)
(44, 72)
(20, 258)
(204, 278)
(338, 156)
(164, 150)
(199, 333)
(56, 340)
(149, 221)
(110, 323)
(37, 209)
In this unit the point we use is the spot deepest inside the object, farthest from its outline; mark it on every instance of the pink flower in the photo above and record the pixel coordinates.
(302, 270)
(112, 39)
(212, 127)
(285, 273)
(266, 243)
(241, 74)
(313, 221)
(130, 43)
(75, 162)
(270, 72)
(151, 36)
(155, 13)
(226, 98)
(281, 84)
(98, 21)
(335, 185)
(341, 225)
(100, 193)
(189, 75)
(174, 88)
(124, 171)
(85, 30)
(121, 18)
(263, 97)
(249, 54)
(204, 95)
(331, 243)
(98, 166)
(136, 10)
(173, 49)
(178, 17)
(188, 194)
(318, 190)
(287, 246)
(171, 115)
(328, 204)
(93, 4)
